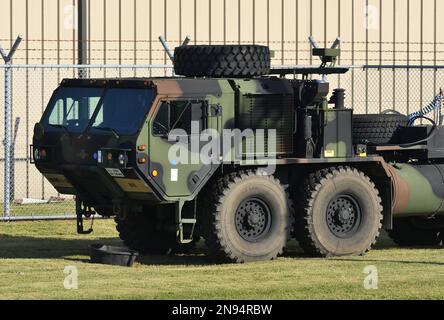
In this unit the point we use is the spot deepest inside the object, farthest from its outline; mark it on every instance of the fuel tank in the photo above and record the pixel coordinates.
(418, 190)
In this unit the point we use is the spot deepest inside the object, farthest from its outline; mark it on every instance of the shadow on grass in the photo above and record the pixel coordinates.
(393, 261)
(69, 249)
(14, 247)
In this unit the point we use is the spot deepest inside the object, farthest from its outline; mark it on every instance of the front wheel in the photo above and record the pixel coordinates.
(140, 232)
(250, 218)
(339, 213)
(147, 234)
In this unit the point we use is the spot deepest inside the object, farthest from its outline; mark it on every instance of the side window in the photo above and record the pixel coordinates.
(179, 115)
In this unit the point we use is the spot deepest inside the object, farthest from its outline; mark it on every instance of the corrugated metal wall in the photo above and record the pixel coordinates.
(373, 31)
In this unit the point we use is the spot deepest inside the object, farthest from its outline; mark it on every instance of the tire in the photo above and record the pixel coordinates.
(235, 61)
(180, 248)
(319, 229)
(378, 129)
(140, 232)
(407, 232)
(249, 218)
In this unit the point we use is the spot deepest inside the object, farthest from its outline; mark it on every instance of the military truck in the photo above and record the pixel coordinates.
(338, 178)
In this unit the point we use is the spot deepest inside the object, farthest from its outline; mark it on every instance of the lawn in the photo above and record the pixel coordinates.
(33, 256)
(63, 208)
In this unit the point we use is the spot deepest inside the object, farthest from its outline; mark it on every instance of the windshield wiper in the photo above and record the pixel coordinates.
(114, 132)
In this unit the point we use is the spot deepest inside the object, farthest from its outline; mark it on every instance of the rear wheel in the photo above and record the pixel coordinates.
(416, 232)
(249, 218)
(338, 213)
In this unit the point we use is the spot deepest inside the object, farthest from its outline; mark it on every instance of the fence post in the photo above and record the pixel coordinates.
(83, 38)
(8, 113)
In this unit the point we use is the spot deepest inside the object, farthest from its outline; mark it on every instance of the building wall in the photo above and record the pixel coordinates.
(396, 31)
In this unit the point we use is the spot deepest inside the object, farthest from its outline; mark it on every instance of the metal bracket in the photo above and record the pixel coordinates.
(83, 211)
(8, 57)
(167, 49)
(329, 55)
(186, 41)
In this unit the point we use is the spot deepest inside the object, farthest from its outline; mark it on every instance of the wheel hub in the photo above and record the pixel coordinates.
(343, 216)
(253, 219)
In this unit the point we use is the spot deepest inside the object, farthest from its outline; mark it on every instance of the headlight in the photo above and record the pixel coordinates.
(36, 154)
(122, 159)
(40, 154)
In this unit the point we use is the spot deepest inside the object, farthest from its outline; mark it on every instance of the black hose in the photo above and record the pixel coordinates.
(432, 134)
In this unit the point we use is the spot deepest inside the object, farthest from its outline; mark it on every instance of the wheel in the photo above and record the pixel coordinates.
(222, 61)
(249, 218)
(140, 232)
(378, 129)
(180, 248)
(412, 232)
(104, 211)
(145, 233)
(339, 213)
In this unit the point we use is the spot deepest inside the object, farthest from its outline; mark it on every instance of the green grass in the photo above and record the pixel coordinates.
(33, 256)
(52, 209)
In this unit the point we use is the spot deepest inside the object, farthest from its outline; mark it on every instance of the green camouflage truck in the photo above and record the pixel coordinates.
(243, 156)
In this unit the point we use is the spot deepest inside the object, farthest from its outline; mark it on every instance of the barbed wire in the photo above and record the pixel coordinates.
(230, 41)
(275, 50)
(140, 59)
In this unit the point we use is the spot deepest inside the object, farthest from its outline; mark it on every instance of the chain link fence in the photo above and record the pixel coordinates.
(31, 195)
(369, 89)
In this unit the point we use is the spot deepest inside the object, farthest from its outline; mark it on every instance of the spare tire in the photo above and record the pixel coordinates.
(231, 61)
(378, 129)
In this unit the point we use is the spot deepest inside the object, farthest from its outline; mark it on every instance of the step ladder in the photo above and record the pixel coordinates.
(186, 220)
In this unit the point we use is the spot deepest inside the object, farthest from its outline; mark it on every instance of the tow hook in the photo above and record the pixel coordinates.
(82, 210)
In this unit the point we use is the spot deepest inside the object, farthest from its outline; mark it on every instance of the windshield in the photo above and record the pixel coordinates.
(73, 108)
(123, 110)
(118, 110)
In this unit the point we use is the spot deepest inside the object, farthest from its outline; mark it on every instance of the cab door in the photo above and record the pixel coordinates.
(175, 163)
